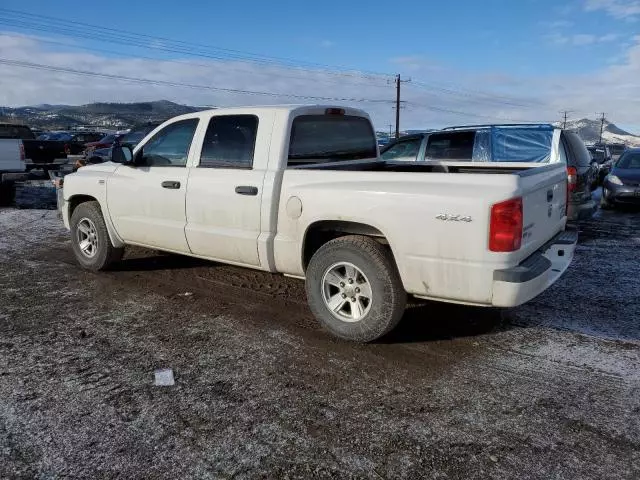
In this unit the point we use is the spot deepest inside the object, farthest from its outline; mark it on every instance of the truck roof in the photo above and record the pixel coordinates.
(287, 108)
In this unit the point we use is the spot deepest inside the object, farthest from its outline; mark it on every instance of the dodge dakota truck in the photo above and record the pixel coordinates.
(302, 191)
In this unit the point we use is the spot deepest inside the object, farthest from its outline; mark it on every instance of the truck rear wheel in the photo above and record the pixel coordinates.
(354, 289)
(90, 240)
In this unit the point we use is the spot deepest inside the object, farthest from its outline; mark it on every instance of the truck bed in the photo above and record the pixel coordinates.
(521, 169)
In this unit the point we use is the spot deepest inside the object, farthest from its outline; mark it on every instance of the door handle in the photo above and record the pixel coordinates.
(171, 184)
(246, 190)
(549, 195)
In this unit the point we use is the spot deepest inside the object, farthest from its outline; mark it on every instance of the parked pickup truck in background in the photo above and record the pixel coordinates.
(12, 160)
(536, 143)
(51, 149)
(302, 191)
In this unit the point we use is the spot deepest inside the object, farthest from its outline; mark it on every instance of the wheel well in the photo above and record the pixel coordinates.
(77, 200)
(324, 231)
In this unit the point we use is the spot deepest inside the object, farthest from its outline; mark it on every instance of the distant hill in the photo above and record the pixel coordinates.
(589, 130)
(107, 115)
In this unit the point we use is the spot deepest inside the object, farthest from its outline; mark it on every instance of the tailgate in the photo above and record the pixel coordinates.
(44, 151)
(544, 199)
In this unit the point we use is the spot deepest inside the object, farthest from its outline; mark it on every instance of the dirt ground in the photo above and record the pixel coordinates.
(547, 390)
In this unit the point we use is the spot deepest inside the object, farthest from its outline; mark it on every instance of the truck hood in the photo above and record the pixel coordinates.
(106, 167)
(629, 174)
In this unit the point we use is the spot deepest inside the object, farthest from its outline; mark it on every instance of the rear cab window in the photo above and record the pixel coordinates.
(451, 146)
(16, 132)
(319, 139)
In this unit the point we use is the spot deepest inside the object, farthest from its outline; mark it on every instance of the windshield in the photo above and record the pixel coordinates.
(16, 132)
(331, 138)
(597, 154)
(629, 161)
(108, 139)
(134, 136)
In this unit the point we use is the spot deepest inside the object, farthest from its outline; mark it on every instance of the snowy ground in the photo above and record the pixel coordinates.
(547, 390)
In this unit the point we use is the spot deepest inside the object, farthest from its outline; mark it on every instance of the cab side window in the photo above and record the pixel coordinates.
(403, 150)
(170, 146)
(230, 142)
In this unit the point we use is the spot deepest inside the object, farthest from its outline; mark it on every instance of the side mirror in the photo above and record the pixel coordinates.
(122, 154)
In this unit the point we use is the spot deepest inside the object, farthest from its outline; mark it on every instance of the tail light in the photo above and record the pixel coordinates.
(566, 200)
(22, 155)
(572, 178)
(67, 150)
(505, 228)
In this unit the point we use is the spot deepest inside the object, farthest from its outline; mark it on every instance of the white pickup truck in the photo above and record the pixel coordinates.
(12, 162)
(301, 190)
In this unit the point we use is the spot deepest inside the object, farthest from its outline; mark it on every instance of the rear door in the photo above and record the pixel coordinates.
(226, 189)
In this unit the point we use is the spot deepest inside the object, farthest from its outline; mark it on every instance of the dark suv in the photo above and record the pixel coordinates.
(508, 143)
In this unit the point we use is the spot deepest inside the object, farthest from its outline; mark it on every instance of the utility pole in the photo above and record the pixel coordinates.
(390, 131)
(398, 81)
(565, 113)
(602, 119)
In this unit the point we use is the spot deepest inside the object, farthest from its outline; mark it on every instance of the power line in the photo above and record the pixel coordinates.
(478, 96)
(71, 28)
(470, 114)
(53, 68)
(233, 66)
(96, 32)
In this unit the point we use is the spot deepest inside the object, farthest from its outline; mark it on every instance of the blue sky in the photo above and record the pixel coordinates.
(524, 59)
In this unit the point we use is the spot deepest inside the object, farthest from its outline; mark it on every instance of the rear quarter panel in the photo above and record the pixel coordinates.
(443, 259)
(437, 258)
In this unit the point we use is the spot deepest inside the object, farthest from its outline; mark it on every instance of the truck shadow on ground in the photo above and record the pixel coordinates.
(433, 321)
(156, 261)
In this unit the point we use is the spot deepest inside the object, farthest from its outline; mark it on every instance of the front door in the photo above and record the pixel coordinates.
(225, 191)
(147, 200)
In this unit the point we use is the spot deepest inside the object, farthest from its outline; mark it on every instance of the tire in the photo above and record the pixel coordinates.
(87, 223)
(7, 193)
(604, 204)
(376, 273)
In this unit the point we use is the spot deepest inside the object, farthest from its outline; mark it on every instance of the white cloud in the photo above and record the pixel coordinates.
(446, 96)
(557, 24)
(622, 9)
(580, 39)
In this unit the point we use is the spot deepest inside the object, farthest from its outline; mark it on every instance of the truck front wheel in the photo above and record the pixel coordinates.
(90, 240)
(354, 288)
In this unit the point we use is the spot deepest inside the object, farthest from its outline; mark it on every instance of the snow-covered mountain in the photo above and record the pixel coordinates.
(108, 115)
(589, 130)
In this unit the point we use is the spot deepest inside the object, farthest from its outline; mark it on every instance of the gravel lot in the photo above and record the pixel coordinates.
(547, 390)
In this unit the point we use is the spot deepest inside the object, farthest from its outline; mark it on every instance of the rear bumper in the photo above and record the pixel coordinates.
(517, 285)
(46, 163)
(14, 177)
